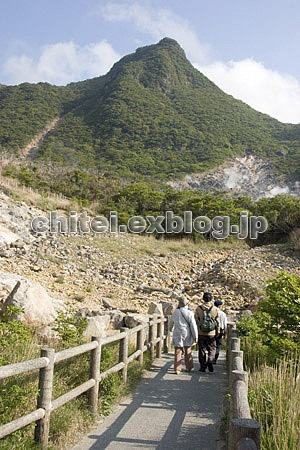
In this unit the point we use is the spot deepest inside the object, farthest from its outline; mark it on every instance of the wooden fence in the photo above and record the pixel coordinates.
(244, 433)
(158, 340)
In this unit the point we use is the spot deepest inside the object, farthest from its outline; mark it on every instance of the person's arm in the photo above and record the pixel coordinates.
(217, 319)
(194, 328)
(225, 325)
(196, 315)
(171, 323)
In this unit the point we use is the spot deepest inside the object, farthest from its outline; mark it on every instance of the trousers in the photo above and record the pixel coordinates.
(206, 344)
(188, 358)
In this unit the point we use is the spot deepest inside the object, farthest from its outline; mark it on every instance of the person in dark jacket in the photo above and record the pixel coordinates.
(208, 322)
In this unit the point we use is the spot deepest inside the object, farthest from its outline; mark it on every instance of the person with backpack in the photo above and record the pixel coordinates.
(223, 329)
(184, 335)
(207, 319)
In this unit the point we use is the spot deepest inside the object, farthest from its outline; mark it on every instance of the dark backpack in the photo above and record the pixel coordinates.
(207, 323)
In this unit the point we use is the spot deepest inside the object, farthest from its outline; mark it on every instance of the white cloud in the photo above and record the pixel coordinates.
(62, 63)
(158, 23)
(266, 90)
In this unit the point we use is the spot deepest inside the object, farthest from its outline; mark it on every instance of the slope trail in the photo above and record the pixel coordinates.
(30, 150)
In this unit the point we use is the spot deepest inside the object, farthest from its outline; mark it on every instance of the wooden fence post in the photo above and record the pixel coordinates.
(151, 337)
(160, 336)
(230, 327)
(140, 345)
(95, 374)
(44, 399)
(167, 340)
(245, 434)
(234, 345)
(123, 355)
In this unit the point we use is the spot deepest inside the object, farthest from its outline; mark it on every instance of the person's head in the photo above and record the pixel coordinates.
(183, 301)
(218, 303)
(207, 297)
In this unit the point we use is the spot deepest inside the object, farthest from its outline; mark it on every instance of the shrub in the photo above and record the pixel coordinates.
(270, 339)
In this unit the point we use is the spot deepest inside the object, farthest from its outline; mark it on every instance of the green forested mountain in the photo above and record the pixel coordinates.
(152, 115)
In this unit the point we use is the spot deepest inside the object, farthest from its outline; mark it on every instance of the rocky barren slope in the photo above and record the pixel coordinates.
(127, 271)
(249, 175)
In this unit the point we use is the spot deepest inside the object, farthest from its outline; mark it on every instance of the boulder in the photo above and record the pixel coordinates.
(254, 305)
(116, 319)
(7, 237)
(246, 312)
(155, 308)
(19, 243)
(133, 320)
(96, 326)
(168, 308)
(39, 309)
(107, 304)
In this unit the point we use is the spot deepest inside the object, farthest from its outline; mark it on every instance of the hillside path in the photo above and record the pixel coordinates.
(166, 412)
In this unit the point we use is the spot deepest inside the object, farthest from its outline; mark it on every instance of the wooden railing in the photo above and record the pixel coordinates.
(244, 433)
(158, 340)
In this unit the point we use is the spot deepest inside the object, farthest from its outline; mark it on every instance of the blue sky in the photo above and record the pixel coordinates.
(250, 48)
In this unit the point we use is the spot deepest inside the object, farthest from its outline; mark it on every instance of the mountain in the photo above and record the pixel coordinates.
(153, 114)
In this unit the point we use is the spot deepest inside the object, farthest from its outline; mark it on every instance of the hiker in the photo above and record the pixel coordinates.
(207, 319)
(223, 329)
(184, 335)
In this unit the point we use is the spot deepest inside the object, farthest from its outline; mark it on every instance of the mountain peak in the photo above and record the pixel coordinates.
(153, 114)
(169, 42)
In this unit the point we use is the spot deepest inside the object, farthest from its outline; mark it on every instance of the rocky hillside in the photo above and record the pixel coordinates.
(249, 175)
(128, 271)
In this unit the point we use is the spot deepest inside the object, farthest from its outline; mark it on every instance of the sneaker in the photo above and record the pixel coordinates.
(202, 369)
(177, 372)
(210, 367)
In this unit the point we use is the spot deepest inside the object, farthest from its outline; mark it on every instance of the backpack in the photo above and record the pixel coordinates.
(207, 323)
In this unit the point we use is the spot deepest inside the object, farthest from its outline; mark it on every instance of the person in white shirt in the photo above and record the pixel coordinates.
(184, 335)
(223, 329)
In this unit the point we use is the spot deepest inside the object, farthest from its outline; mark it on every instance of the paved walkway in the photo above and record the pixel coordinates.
(167, 412)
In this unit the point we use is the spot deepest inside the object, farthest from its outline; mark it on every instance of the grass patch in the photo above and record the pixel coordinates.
(18, 395)
(274, 397)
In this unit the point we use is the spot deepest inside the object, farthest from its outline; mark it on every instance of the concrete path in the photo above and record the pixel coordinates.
(167, 412)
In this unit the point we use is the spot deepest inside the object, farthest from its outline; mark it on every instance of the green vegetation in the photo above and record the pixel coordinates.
(153, 115)
(18, 394)
(270, 340)
(153, 198)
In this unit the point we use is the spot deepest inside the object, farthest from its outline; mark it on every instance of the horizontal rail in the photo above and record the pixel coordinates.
(75, 351)
(136, 329)
(113, 369)
(26, 366)
(134, 356)
(65, 398)
(46, 364)
(22, 422)
(113, 338)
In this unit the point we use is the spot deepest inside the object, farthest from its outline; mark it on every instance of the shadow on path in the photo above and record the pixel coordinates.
(167, 411)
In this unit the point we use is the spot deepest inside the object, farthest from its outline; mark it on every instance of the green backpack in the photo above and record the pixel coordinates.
(207, 323)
